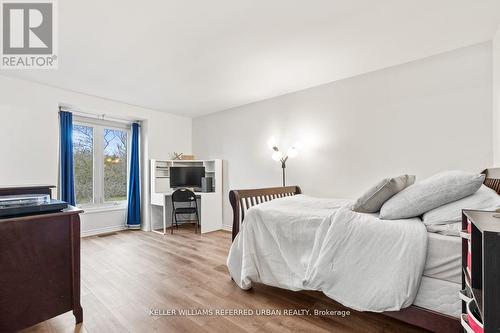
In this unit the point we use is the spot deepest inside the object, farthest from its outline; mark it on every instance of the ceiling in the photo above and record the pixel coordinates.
(195, 57)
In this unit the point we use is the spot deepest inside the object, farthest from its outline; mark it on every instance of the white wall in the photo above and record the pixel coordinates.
(496, 97)
(29, 128)
(421, 117)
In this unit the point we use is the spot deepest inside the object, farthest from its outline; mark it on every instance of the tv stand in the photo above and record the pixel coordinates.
(209, 203)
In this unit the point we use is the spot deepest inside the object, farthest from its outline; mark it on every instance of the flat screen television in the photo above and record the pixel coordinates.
(186, 176)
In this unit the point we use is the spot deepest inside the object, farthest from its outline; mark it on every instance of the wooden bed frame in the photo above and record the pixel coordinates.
(242, 200)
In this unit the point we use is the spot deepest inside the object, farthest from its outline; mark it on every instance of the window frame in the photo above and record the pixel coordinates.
(98, 126)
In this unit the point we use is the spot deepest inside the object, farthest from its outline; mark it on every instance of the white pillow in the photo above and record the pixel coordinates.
(484, 199)
(430, 193)
(376, 196)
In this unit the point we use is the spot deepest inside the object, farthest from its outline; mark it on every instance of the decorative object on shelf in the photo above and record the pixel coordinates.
(279, 156)
(176, 156)
(182, 157)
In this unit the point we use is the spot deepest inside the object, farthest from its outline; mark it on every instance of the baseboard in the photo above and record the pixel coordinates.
(133, 227)
(224, 227)
(105, 230)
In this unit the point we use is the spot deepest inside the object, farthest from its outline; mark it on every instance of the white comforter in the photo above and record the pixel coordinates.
(302, 242)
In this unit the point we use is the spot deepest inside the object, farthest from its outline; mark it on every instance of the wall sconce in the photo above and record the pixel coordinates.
(280, 157)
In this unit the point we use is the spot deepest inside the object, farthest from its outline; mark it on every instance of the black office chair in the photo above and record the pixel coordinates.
(183, 195)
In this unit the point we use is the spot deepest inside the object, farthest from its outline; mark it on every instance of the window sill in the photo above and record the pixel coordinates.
(102, 208)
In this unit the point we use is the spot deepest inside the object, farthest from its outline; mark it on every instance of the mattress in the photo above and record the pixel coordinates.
(444, 258)
(439, 295)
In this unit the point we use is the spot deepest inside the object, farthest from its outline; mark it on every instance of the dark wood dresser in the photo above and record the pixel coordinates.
(39, 265)
(480, 271)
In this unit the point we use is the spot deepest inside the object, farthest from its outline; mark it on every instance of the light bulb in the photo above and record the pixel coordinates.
(277, 155)
(271, 143)
(292, 152)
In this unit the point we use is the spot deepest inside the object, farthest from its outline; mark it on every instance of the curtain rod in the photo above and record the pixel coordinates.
(101, 116)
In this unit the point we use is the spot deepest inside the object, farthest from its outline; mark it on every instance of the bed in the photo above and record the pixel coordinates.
(441, 274)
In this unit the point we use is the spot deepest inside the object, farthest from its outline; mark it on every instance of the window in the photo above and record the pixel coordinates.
(115, 165)
(83, 163)
(100, 153)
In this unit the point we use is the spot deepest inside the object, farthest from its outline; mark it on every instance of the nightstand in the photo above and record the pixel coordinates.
(480, 271)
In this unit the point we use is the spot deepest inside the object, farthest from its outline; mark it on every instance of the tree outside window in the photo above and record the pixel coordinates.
(100, 154)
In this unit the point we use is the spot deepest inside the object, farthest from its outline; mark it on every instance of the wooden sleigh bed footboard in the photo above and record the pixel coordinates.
(242, 200)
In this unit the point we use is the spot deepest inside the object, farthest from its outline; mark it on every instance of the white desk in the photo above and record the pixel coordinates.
(209, 203)
(209, 211)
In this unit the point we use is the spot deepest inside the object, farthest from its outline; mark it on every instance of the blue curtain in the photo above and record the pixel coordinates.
(67, 182)
(134, 191)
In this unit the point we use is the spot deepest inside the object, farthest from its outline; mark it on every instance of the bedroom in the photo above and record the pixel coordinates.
(210, 97)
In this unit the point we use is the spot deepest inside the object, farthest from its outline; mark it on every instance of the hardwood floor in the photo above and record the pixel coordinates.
(126, 274)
